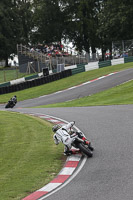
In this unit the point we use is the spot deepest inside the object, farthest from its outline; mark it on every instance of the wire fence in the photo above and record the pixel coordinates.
(10, 74)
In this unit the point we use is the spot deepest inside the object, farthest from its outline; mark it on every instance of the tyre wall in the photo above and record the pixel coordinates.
(35, 81)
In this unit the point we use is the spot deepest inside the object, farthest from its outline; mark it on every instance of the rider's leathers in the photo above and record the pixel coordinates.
(62, 135)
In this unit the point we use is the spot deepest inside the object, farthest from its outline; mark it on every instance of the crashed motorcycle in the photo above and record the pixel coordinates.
(10, 104)
(80, 144)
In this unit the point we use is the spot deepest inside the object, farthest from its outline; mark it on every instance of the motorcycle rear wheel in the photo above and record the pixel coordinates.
(12, 105)
(85, 150)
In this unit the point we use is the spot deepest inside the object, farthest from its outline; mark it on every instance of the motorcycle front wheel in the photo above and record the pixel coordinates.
(7, 106)
(85, 150)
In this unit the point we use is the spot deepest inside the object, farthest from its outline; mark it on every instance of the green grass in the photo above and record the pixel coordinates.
(29, 159)
(64, 83)
(122, 94)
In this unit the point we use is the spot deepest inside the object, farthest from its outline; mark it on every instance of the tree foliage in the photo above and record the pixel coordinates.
(15, 25)
(87, 23)
(49, 21)
(115, 22)
(115, 19)
(8, 31)
(82, 23)
(25, 15)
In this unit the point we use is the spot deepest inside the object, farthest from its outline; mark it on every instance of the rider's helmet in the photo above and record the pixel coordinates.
(55, 128)
(15, 96)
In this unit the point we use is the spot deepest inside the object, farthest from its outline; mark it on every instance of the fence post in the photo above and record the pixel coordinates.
(4, 75)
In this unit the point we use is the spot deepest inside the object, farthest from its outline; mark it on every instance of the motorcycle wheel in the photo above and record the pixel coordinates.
(12, 105)
(7, 106)
(85, 150)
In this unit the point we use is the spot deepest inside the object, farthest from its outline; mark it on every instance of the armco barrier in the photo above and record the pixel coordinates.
(81, 65)
(4, 84)
(78, 70)
(54, 70)
(104, 63)
(31, 77)
(128, 59)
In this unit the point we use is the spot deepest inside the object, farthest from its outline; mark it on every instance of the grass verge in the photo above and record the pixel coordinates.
(122, 94)
(64, 83)
(29, 159)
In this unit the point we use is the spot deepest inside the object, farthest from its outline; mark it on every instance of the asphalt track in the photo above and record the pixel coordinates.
(81, 91)
(109, 174)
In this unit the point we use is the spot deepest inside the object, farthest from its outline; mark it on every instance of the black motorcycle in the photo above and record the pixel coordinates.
(10, 104)
(84, 148)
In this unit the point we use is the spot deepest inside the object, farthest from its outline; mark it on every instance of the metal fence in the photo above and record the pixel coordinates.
(122, 48)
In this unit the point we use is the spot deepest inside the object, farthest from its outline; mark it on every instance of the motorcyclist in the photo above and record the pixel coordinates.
(65, 135)
(14, 99)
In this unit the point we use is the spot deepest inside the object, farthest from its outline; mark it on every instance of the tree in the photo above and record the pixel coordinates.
(82, 23)
(15, 25)
(48, 21)
(25, 14)
(8, 32)
(115, 22)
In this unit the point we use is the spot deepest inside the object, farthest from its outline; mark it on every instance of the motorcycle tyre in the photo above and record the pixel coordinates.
(85, 150)
(7, 106)
(12, 106)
